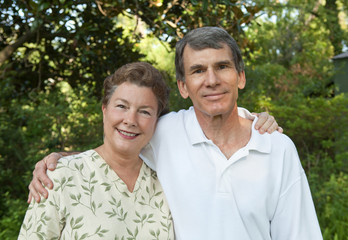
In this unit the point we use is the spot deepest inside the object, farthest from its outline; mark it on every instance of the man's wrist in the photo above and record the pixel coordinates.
(64, 154)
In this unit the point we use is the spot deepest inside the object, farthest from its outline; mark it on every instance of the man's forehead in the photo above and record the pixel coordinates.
(224, 48)
(203, 46)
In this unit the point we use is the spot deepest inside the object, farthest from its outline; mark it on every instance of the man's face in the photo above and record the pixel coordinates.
(211, 80)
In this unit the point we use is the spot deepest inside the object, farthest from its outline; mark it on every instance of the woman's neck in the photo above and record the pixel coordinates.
(127, 167)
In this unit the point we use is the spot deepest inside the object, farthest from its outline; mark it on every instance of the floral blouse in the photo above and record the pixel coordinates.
(89, 201)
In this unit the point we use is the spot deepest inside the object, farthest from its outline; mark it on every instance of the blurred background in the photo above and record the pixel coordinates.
(54, 56)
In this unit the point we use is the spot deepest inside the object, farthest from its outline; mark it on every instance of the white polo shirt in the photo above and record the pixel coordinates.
(261, 192)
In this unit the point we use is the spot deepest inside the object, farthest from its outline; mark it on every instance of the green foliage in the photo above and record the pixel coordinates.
(50, 85)
(11, 220)
(170, 20)
(318, 126)
(57, 119)
(162, 57)
(289, 74)
(332, 204)
(60, 41)
(54, 57)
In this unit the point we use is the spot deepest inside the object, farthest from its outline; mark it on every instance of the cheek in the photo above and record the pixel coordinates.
(106, 118)
(193, 85)
(111, 117)
(150, 127)
(153, 126)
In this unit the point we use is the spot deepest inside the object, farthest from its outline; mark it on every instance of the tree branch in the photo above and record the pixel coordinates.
(8, 50)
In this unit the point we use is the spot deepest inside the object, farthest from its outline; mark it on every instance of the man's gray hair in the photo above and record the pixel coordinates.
(202, 38)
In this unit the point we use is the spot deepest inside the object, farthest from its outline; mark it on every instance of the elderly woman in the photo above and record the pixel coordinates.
(109, 192)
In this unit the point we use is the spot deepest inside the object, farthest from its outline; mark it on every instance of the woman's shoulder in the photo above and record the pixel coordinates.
(64, 161)
(73, 163)
(149, 175)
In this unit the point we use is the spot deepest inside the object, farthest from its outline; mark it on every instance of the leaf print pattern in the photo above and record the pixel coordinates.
(89, 201)
(117, 211)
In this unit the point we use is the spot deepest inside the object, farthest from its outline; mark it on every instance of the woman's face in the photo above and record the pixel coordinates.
(130, 118)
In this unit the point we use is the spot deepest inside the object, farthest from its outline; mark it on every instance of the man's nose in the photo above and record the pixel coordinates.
(212, 79)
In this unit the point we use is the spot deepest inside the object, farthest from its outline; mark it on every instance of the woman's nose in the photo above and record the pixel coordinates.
(130, 118)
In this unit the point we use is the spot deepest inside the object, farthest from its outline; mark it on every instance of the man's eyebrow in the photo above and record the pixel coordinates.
(225, 62)
(196, 66)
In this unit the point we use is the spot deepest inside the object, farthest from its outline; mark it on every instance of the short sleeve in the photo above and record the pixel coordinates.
(295, 216)
(43, 220)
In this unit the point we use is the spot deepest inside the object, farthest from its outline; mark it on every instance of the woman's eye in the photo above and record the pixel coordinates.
(145, 112)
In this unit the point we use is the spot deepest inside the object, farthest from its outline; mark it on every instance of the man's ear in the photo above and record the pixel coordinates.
(182, 88)
(241, 80)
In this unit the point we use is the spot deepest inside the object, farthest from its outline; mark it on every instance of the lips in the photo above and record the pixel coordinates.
(214, 96)
(127, 134)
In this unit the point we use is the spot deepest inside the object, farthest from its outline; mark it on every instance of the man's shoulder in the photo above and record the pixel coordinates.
(282, 145)
(281, 139)
(272, 142)
(174, 115)
(175, 118)
(170, 129)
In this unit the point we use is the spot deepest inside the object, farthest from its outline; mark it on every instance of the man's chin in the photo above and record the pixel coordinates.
(213, 111)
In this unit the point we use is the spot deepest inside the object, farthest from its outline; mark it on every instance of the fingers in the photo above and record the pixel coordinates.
(36, 190)
(35, 187)
(30, 196)
(40, 176)
(51, 160)
(262, 123)
(273, 125)
(266, 123)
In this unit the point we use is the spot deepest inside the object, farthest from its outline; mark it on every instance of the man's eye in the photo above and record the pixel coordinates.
(223, 66)
(198, 71)
(120, 106)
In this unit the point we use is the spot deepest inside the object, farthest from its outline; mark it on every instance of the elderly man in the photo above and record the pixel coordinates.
(223, 179)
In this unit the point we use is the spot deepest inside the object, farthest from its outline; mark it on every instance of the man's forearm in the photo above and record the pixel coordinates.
(68, 153)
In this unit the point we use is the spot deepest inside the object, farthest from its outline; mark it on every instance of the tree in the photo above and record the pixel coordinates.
(59, 41)
(54, 56)
(171, 19)
(289, 73)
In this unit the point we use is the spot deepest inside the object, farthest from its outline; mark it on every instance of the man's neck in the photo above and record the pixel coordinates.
(229, 132)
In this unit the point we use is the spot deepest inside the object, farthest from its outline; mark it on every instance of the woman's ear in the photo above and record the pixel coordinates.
(103, 110)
